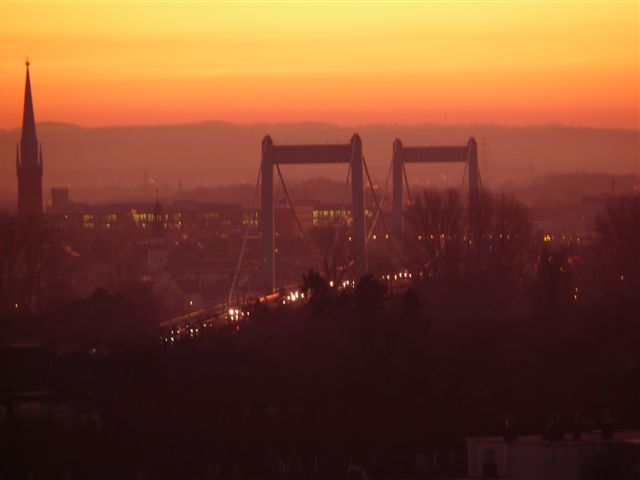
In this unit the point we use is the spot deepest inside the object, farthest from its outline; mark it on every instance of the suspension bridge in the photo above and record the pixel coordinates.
(235, 310)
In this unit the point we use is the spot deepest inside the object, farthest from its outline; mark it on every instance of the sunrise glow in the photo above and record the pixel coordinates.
(96, 64)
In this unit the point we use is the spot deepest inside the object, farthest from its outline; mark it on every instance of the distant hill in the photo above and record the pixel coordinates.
(217, 153)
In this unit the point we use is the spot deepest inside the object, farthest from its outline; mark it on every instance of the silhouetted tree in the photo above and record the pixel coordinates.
(617, 245)
(369, 295)
(503, 246)
(108, 320)
(439, 241)
(317, 289)
(552, 282)
(331, 244)
(32, 269)
(435, 233)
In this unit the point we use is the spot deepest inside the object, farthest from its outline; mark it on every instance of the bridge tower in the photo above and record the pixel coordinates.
(466, 153)
(350, 153)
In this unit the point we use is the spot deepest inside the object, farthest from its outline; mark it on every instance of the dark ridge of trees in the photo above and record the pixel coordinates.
(103, 322)
(462, 270)
(369, 372)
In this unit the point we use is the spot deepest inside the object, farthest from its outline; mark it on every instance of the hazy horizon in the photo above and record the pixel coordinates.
(323, 122)
(183, 96)
(217, 153)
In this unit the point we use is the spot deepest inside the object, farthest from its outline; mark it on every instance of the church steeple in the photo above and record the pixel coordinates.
(28, 162)
(29, 140)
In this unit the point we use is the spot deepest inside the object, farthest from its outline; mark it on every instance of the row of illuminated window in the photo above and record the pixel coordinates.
(337, 213)
(149, 217)
(325, 221)
(146, 217)
(331, 213)
(93, 225)
(90, 217)
(320, 217)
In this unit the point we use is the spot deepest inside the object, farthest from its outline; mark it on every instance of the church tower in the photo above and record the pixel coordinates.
(29, 161)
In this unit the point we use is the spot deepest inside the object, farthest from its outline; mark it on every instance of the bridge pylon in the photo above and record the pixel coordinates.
(420, 154)
(350, 153)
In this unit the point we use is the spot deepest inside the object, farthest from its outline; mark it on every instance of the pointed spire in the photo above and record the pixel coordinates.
(29, 160)
(29, 141)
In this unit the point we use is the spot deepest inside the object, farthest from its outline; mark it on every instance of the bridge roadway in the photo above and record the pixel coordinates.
(193, 324)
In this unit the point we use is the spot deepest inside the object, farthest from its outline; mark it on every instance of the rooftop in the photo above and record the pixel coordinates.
(619, 436)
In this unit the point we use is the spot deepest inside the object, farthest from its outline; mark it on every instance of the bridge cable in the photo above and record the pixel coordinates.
(293, 210)
(375, 199)
(386, 195)
(312, 245)
(406, 182)
(464, 175)
(245, 237)
(342, 218)
(480, 185)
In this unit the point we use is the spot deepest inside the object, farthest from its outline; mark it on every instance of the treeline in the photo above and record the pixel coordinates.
(497, 324)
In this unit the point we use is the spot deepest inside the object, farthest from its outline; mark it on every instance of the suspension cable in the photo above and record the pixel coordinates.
(293, 210)
(406, 182)
(375, 199)
(386, 195)
(342, 219)
(464, 174)
(480, 185)
(245, 237)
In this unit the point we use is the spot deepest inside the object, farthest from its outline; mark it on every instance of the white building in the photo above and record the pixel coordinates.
(531, 457)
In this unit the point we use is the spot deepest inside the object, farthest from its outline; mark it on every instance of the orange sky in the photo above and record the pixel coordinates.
(106, 63)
